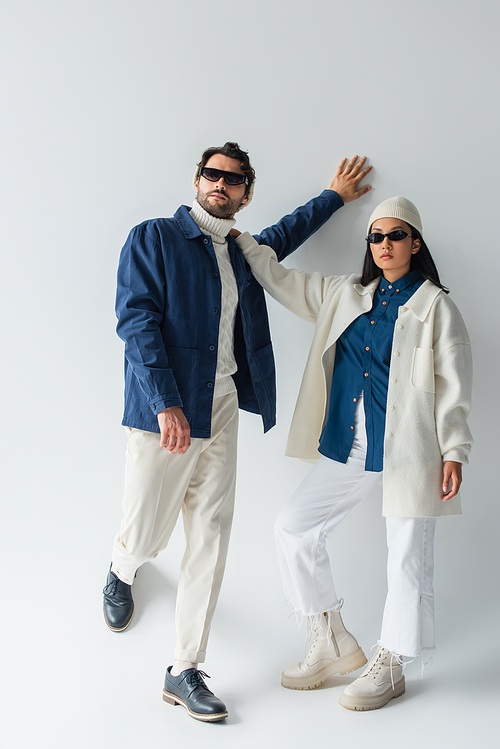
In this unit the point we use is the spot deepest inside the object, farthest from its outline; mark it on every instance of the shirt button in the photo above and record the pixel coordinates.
(372, 322)
(396, 353)
(394, 379)
(384, 303)
(215, 274)
(352, 427)
(366, 374)
(367, 348)
(205, 241)
(390, 286)
(397, 291)
(355, 399)
(389, 434)
(210, 385)
(211, 347)
(400, 327)
(215, 311)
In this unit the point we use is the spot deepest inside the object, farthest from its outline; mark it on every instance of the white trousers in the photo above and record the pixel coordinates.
(201, 483)
(323, 500)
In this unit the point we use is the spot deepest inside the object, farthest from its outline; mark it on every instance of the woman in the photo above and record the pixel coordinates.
(386, 388)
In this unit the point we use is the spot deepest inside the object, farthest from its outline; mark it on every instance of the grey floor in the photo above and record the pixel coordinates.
(69, 682)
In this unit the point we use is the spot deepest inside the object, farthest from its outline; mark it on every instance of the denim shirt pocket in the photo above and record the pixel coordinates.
(422, 372)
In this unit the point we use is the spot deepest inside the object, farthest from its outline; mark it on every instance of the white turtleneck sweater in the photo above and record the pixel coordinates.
(218, 229)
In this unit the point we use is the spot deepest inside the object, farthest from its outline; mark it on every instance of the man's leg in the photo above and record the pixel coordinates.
(155, 485)
(207, 514)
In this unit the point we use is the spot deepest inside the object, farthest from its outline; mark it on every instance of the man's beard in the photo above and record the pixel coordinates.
(225, 209)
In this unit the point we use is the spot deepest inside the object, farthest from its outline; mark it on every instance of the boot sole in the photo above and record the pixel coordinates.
(342, 666)
(372, 703)
(172, 699)
(119, 629)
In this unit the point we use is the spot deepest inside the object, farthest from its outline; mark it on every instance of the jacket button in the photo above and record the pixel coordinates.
(211, 347)
(215, 311)
(394, 379)
(389, 434)
(396, 353)
(391, 408)
(205, 241)
(215, 274)
(400, 327)
(402, 309)
(210, 385)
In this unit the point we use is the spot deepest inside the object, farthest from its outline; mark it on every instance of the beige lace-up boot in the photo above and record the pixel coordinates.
(334, 651)
(379, 683)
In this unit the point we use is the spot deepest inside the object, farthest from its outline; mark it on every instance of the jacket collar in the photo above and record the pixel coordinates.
(187, 225)
(420, 303)
(423, 299)
(370, 289)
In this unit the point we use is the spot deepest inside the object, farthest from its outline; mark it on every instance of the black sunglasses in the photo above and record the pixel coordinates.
(394, 236)
(230, 178)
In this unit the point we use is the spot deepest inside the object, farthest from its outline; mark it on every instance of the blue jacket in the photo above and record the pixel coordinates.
(168, 307)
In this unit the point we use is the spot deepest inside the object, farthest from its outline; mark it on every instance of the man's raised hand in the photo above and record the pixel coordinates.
(348, 176)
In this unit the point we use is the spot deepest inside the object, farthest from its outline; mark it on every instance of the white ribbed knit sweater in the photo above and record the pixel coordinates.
(218, 229)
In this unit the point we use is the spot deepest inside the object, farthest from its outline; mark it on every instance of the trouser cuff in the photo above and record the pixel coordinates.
(195, 656)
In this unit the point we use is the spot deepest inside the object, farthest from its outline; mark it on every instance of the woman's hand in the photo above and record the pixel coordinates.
(348, 176)
(452, 471)
(235, 233)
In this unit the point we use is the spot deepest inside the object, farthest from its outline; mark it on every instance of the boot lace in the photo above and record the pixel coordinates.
(380, 656)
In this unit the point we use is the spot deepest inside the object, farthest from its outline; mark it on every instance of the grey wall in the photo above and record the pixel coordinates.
(107, 107)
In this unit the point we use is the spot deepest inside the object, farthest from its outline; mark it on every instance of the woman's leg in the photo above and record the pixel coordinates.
(323, 500)
(408, 622)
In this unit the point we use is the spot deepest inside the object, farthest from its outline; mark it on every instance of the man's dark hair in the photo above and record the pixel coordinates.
(233, 151)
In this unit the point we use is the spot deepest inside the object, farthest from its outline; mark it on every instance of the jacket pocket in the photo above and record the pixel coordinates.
(264, 360)
(422, 373)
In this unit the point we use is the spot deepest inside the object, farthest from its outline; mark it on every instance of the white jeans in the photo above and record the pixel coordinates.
(201, 483)
(322, 501)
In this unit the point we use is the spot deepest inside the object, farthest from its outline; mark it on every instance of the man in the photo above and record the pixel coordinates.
(197, 345)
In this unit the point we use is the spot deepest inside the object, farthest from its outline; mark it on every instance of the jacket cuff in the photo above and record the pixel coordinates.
(457, 456)
(333, 197)
(164, 401)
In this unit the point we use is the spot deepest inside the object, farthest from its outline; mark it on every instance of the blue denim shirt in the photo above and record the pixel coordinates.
(168, 307)
(362, 361)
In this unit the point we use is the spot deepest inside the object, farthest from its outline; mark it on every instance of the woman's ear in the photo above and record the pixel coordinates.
(416, 246)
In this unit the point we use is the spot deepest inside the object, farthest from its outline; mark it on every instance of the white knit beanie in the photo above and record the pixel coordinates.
(249, 195)
(397, 207)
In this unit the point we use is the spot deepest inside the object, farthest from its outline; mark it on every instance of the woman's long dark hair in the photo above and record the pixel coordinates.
(421, 262)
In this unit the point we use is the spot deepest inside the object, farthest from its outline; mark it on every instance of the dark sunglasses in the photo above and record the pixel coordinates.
(230, 178)
(394, 236)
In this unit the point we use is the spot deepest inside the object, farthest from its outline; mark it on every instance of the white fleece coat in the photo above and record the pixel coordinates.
(430, 378)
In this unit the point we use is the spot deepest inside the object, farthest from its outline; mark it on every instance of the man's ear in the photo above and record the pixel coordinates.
(196, 185)
(245, 200)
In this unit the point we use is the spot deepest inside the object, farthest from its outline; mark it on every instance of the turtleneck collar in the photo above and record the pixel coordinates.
(218, 228)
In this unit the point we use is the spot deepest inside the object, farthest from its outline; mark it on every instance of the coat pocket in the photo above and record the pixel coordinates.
(422, 373)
